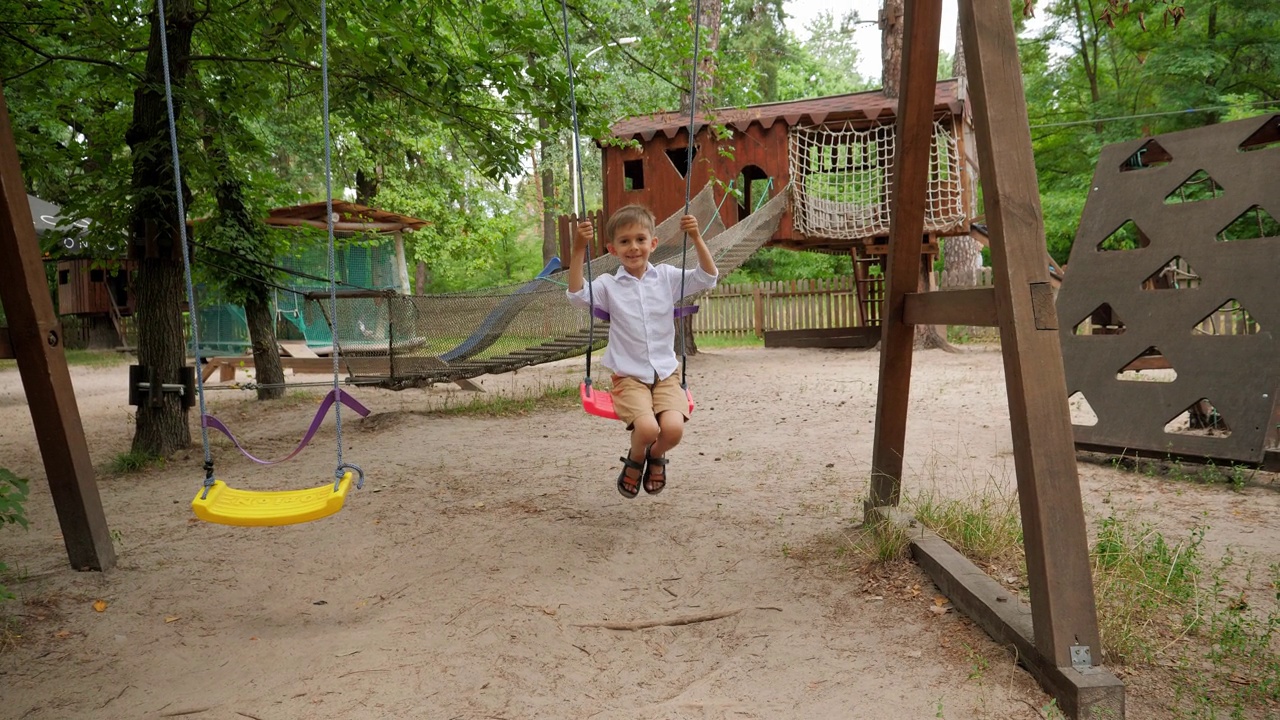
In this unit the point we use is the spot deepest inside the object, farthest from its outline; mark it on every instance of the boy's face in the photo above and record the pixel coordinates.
(633, 244)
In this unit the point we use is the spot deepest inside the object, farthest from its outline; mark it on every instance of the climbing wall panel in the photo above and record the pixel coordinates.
(1169, 313)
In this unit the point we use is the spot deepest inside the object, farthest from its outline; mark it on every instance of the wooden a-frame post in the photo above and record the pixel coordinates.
(37, 343)
(1058, 638)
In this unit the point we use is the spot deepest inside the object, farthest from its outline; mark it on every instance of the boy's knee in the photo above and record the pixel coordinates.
(646, 430)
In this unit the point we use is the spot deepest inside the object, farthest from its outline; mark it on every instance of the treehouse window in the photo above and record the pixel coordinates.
(679, 157)
(633, 174)
(64, 277)
(97, 275)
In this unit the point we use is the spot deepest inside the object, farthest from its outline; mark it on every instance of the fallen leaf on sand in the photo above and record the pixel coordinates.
(100, 605)
(939, 600)
(171, 618)
(62, 634)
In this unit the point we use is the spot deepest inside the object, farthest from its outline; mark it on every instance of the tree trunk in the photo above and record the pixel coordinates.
(266, 354)
(709, 42)
(546, 197)
(367, 185)
(961, 255)
(159, 285)
(891, 16)
(421, 277)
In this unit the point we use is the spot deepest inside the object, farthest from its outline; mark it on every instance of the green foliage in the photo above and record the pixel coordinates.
(1131, 59)
(782, 264)
(13, 497)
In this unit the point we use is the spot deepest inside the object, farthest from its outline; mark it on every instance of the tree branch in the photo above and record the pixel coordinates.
(72, 58)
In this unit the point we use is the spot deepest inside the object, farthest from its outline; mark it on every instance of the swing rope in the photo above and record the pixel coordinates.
(580, 197)
(688, 179)
(339, 471)
(186, 252)
(335, 397)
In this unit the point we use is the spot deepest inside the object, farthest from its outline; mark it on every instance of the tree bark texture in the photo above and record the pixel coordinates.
(962, 254)
(708, 42)
(266, 353)
(159, 285)
(546, 195)
(891, 47)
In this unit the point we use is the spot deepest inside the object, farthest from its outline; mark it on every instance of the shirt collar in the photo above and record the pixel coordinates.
(621, 272)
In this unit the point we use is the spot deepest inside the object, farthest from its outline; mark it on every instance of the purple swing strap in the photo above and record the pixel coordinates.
(681, 311)
(334, 395)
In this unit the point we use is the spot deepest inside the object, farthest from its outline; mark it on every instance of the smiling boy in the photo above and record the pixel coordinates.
(640, 299)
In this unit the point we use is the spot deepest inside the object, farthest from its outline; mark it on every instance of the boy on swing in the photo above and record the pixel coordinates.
(640, 299)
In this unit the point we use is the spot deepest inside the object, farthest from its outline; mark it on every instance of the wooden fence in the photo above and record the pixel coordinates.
(752, 308)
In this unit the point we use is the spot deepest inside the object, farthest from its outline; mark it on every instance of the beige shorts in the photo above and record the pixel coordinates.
(633, 399)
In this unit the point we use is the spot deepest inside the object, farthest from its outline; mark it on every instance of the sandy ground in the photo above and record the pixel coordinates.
(462, 580)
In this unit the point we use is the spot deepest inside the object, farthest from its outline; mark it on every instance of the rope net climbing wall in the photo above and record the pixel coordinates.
(842, 184)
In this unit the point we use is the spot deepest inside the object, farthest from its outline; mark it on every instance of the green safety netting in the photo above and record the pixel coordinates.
(224, 331)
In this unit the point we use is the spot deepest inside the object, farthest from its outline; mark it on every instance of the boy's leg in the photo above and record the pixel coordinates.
(644, 433)
(633, 402)
(670, 432)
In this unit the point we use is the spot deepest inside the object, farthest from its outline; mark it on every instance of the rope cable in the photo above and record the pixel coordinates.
(192, 310)
(688, 179)
(579, 197)
(333, 269)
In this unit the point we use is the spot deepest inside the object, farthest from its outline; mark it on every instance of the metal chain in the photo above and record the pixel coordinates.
(193, 310)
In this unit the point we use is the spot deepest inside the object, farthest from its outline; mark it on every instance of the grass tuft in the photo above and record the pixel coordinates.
(134, 461)
(546, 398)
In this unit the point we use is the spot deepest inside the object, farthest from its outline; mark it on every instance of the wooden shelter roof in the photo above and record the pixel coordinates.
(351, 218)
(870, 105)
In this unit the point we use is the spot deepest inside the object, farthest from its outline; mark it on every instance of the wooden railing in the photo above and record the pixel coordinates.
(753, 308)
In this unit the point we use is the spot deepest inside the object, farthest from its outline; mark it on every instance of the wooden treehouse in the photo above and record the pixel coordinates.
(835, 154)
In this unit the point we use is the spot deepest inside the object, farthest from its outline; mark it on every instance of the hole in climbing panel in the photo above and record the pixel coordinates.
(1150, 155)
(1252, 224)
(1175, 274)
(1149, 366)
(1126, 237)
(679, 158)
(1199, 186)
(633, 174)
(1201, 419)
(1102, 320)
(1267, 136)
(1231, 318)
(1081, 411)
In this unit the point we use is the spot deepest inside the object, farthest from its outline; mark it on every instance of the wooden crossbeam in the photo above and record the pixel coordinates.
(971, 306)
(37, 343)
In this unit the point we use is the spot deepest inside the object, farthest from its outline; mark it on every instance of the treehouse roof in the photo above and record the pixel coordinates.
(870, 105)
(350, 217)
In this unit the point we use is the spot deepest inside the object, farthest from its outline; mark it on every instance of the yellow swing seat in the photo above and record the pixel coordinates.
(226, 505)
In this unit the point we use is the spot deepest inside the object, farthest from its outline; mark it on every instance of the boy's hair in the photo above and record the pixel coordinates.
(629, 215)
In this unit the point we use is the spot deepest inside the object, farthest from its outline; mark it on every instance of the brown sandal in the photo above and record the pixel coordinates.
(652, 486)
(630, 487)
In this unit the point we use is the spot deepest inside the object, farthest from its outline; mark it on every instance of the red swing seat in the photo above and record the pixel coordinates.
(599, 403)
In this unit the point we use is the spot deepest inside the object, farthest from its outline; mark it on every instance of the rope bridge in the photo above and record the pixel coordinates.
(441, 338)
(843, 185)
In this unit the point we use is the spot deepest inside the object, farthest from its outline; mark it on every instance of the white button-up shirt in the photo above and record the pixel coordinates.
(641, 311)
